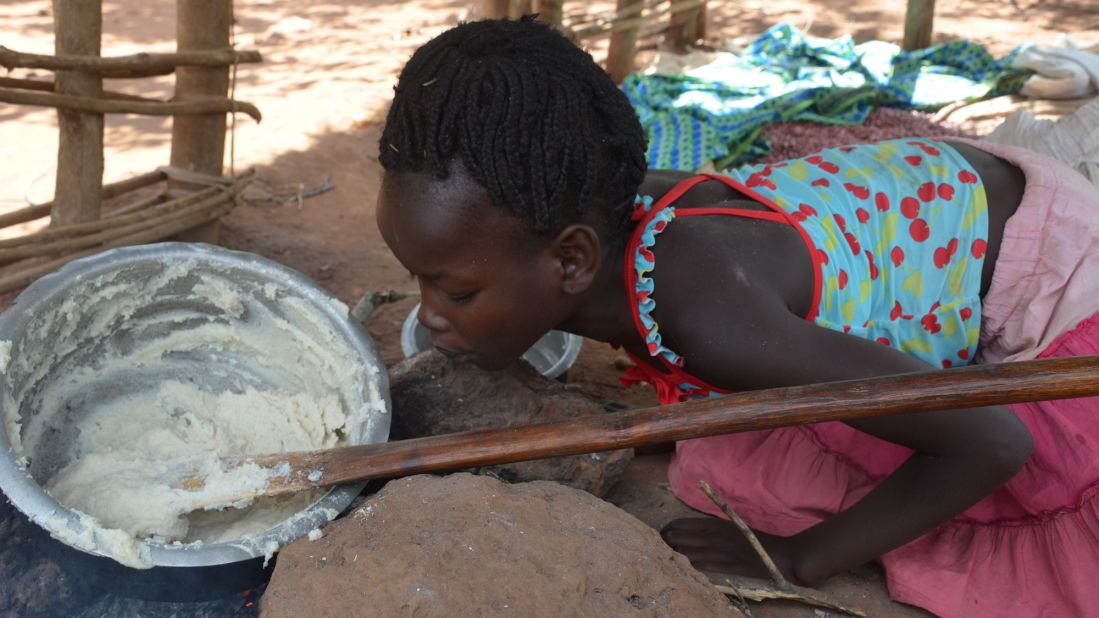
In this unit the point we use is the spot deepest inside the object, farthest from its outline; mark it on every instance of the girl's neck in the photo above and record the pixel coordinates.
(603, 312)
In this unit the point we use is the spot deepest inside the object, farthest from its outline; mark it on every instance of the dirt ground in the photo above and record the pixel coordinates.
(323, 87)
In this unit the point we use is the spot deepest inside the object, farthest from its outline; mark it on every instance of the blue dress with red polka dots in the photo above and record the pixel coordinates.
(897, 231)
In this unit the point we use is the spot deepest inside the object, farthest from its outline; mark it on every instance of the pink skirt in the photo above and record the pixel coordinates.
(1032, 547)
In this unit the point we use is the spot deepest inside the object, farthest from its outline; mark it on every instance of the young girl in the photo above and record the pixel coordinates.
(516, 191)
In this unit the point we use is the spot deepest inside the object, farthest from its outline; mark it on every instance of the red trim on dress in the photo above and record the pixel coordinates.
(630, 265)
(739, 212)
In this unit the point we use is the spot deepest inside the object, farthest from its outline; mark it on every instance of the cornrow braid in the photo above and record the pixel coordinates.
(533, 118)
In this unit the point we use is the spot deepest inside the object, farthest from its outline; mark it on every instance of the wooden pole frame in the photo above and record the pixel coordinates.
(136, 65)
(198, 142)
(549, 11)
(623, 44)
(128, 230)
(30, 213)
(201, 65)
(118, 103)
(519, 8)
(919, 22)
(495, 9)
(631, 17)
(78, 27)
(686, 26)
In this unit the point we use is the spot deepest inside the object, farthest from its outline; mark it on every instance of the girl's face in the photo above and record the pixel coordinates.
(488, 287)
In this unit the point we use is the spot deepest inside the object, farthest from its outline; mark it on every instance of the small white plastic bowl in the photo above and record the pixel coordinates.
(551, 355)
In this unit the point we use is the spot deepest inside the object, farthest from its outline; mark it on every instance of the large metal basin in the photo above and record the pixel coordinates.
(46, 345)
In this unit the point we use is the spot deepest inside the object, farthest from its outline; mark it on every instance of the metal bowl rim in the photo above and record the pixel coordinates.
(573, 343)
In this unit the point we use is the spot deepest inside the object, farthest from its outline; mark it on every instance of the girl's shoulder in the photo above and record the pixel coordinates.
(658, 183)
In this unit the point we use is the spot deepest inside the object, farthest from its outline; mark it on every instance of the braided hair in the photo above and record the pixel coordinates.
(534, 119)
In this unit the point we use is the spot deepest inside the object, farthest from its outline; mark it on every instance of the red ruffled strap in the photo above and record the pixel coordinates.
(667, 389)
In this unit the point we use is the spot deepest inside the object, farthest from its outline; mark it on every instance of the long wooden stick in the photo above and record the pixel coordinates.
(137, 65)
(211, 105)
(965, 387)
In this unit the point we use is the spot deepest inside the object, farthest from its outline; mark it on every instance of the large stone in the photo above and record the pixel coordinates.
(465, 545)
(432, 396)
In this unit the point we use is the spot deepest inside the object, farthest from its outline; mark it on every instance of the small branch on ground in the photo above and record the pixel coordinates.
(288, 194)
(776, 576)
(372, 300)
(758, 590)
(779, 588)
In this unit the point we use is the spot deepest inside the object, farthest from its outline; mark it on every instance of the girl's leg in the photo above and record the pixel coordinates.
(961, 457)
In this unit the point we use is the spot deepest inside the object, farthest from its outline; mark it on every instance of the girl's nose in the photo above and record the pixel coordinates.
(431, 319)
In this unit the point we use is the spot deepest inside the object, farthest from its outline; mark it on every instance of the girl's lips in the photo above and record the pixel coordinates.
(451, 354)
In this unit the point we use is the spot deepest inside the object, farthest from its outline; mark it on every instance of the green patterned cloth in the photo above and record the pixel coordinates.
(717, 112)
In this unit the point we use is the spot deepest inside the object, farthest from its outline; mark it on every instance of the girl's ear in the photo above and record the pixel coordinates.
(577, 253)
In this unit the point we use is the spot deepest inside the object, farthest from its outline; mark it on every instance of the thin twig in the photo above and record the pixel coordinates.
(297, 195)
(780, 588)
(776, 576)
(732, 590)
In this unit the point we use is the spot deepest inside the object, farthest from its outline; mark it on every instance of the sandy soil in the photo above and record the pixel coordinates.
(328, 70)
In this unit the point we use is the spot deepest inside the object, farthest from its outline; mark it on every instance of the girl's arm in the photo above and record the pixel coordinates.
(960, 456)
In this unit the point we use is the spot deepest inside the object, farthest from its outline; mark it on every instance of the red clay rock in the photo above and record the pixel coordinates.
(465, 545)
(432, 396)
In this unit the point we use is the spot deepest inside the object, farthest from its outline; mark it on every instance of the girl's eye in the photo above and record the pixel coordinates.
(461, 299)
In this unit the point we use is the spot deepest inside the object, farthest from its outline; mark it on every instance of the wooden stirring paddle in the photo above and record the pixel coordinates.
(966, 387)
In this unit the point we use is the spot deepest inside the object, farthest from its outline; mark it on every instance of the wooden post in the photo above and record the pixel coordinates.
(78, 27)
(549, 11)
(918, 22)
(686, 26)
(519, 8)
(198, 142)
(623, 46)
(495, 9)
(700, 23)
